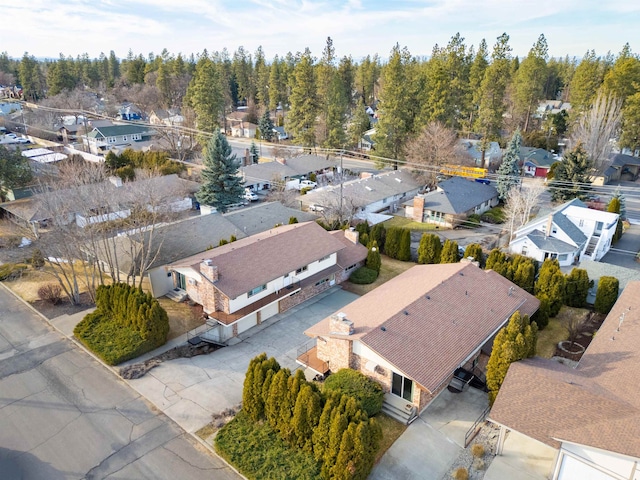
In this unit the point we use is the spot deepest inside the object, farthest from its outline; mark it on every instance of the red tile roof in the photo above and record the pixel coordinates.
(597, 403)
(434, 317)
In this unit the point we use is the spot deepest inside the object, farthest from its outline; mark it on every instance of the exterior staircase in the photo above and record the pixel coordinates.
(399, 409)
(591, 247)
(177, 295)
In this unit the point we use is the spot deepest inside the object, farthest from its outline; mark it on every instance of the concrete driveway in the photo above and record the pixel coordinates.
(431, 444)
(623, 253)
(190, 390)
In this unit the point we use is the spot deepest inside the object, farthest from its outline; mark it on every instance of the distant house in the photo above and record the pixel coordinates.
(101, 139)
(411, 333)
(551, 107)
(452, 202)
(470, 149)
(590, 413)
(372, 194)
(259, 176)
(129, 111)
(366, 143)
(536, 162)
(244, 283)
(280, 133)
(571, 233)
(166, 117)
(616, 167)
(244, 129)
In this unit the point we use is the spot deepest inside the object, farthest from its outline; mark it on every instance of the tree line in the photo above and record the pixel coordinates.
(472, 90)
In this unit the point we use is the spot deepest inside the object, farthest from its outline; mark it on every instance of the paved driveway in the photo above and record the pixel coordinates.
(65, 416)
(431, 444)
(190, 390)
(623, 252)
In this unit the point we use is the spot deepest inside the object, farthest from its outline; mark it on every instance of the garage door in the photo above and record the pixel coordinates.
(573, 469)
(269, 311)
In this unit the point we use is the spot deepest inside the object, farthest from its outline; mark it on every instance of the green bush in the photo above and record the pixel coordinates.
(126, 323)
(363, 276)
(577, 288)
(473, 221)
(495, 215)
(374, 260)
(607, 294)
(353, 383)
(12, 271)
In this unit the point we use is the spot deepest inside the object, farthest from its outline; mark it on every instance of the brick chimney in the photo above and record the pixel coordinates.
(209, 270)
(549, 225)
(470, 260)
(352, 235)
(339, 325)
(418, 208)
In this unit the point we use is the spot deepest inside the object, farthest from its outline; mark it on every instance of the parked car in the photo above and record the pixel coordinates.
(250, 195)
(316, 208)
(307, 184)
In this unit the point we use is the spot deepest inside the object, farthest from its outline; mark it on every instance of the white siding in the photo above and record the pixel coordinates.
(161, 281)
(582, 462)
(366, 354)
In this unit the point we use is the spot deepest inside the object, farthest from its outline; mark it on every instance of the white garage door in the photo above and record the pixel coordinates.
(573, 469)
(269, 311)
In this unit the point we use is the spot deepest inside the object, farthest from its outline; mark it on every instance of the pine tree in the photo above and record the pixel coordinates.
(265, 125)
(577, 288)
(306, 415)
(222, 186)
(205, 95)
(509, 171)
(360, 123)
(551, 282)
(429, 249)
(530, 81)
(374, 260)
(514, 342)
(301, 121)
(254, 153)
(614, 207)
(571, 176)
(449, 252)
(404, 250)
(607, 294)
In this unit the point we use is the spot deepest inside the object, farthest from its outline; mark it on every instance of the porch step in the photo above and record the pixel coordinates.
(402, 415)
(177, 295)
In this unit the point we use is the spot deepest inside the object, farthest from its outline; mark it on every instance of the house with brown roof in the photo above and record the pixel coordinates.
(243, 283)
(590, 413)
(412, 333)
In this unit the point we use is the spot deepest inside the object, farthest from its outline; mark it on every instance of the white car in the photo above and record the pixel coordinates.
(316, 208)
(307, 184)
(251, 196)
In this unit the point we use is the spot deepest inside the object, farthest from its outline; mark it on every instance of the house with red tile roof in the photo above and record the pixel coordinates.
(590, 413)
(412, 333)
(245, 282)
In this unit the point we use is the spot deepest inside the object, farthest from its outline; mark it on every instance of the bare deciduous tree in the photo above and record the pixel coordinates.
(432, 148)
(520, 203)
(597, 127)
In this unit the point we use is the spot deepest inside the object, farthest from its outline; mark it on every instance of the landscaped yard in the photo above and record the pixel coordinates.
(556, 331)
(182, 316)
(408, 223)
(389, 269)
(391, 431)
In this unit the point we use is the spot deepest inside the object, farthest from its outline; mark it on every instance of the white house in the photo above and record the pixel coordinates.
(572, 232)
(589, 413)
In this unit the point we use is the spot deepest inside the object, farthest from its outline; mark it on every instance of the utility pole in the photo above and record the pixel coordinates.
(341, 182)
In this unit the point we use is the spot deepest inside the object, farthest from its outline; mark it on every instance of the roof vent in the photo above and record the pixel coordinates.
(384, 329)
(399, 180)
(405, 312)
(208, 262)
(427, 297)
(368, 188)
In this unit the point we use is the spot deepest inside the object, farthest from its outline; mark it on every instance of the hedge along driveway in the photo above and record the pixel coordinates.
(190, 390)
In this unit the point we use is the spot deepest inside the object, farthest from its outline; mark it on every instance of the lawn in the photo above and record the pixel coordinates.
(389, 269)
(182, 317)
(408, 223)
(556, 331)
(391, 431)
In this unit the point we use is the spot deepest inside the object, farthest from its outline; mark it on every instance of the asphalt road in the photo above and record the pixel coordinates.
(65, 416)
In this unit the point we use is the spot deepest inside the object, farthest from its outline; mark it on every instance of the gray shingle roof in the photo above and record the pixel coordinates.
(458, 195)
(567, 226)
(265, 216)
(549, 244)
(115, 130)
(537, 156)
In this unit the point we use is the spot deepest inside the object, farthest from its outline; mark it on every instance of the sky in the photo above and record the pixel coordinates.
(46, 28)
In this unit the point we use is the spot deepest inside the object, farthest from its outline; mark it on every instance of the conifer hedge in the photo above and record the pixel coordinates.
(126, 323)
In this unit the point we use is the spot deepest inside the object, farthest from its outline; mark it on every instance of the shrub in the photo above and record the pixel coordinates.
(551, 282)
(472, 221)
(51, 293)
(304, 190)
(541, 317)
(478, 464)
(126, 323)
(474, 250)
(449, 252)
(477, 450)
(374, 260)
(577, 288)
(404, 250)
(363, 276)
(12, 271)
(607, 294)
(37, 259)
(429, 249)
(379, 234)
(353, 383)
(292, 220)
(460, 473)
(392, 243)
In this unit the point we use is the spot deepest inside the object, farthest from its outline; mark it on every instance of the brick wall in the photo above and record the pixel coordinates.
(418, 208)
(305, 294)
(336, 352)
(381, 375)
(343, 275)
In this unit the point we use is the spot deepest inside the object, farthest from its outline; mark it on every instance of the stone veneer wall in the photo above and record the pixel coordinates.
(335, 351)
(305, 294)
(343, 275)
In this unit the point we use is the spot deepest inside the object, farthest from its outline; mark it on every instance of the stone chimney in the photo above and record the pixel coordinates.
(339, 325)
(418, 208)
(470, 260)
(549, 225)
(209, 270)
(352, 235)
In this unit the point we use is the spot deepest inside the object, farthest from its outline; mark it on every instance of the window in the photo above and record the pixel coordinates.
(136, 136)
(112, 139)
(563, 257)
(402, 387)
(554, 229)
(302, 269)
(524, 250)
(351, 267)
(325, 258)
(581, 223)
(324, 280)
(124, 138)
(256, 290)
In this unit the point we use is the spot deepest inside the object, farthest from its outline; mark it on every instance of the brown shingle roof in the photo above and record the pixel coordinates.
(256, 260)
(595, 404)
(352, 253)
(447, 317)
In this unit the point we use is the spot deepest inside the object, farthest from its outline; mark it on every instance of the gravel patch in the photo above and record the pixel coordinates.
(476, 467)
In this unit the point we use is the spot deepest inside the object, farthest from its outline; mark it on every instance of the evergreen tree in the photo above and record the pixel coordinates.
(344, 468)
(392, 242)
(497, 261)
(320, 436)
(379, 235)
(623, 203)
(514, 342)
(360, 123)
(205, 95)
(306, 415)
(339, 424)
(607, 294)
(552, 283)
(571, 176)
(15, 171)
(429, 249)
(265, 125)
(474, 250)
(476, 75)
(404, 249)
(254, 153)
(530, 81)
(449, 252)
(586, 81)
(222, 186)
(337, 103)
(374, 260)
(524, 272)
(614, 207)
(301, 121)
(577, 288)
(630, 135)
(509, 171)
(277, 392)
